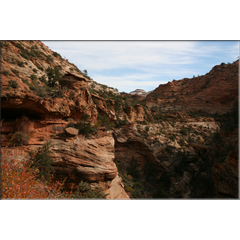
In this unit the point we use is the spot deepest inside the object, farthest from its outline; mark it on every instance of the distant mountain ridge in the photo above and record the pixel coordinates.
(213, 92)
(140, 92)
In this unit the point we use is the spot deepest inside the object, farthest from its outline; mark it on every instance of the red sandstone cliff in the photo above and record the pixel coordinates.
(212, 92)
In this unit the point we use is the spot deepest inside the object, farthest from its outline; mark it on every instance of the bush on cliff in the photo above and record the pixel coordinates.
(104, 120)
(42, 160)
(19, 178)
(13, 84)
(6, 72)
(84, 191)
(84, 126)
(19, 138)
(53, 75)
(150, 172)
(133, 169)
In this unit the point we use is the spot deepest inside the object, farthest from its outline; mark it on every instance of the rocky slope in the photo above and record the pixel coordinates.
(31, 105)
(213, 92)
(130, 146)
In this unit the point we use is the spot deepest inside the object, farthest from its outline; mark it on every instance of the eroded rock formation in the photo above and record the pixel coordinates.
(213, 92)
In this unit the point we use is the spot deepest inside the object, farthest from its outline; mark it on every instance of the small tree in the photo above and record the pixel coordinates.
(85, 118)
(85, 72)
(42, 160)
(19, 138)
(84, 190)
(13, 84)
(133, 169)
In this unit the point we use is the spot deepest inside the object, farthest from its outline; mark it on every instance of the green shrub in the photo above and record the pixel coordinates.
(181, 142)
(53, 75)
(34, 47)
(169, 149)
(158, 116)
(150, 172)
(5, 44)
(20, 63)
(15, 72)
(43, 79)
(84, 191)
(49, 59)
(118, 104)
(59, 93)
(55, 54)
(128, 188)
(183, 131)
(108, 104)
(24, 80)
(173, 137)
(190, 140)
(133, 168)
(40, 68)
(13, 84)
(182, 164)
(95, 101)
(24, 52)
(42, 160)
(104, 120)
(19, 138)
(35, 70)
(32, 87)
(196, 132)
(84, 126)
(6, 72)
(33, 77)
(41, 91)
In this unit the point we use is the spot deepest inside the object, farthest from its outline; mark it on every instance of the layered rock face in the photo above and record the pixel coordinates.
(129, 144)
(89, 160)
(105, 107)
(28, 108)
(212, 92)
(136, 114)
(23, 63)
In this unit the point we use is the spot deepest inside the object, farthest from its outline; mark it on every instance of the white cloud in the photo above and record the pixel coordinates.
(136, 61)
(130, 82)
(97, 55)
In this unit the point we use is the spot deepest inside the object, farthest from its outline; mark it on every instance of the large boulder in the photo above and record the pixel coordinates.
(71, 131)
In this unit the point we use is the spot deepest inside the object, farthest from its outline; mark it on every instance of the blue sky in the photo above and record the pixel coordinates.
(130, 65)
